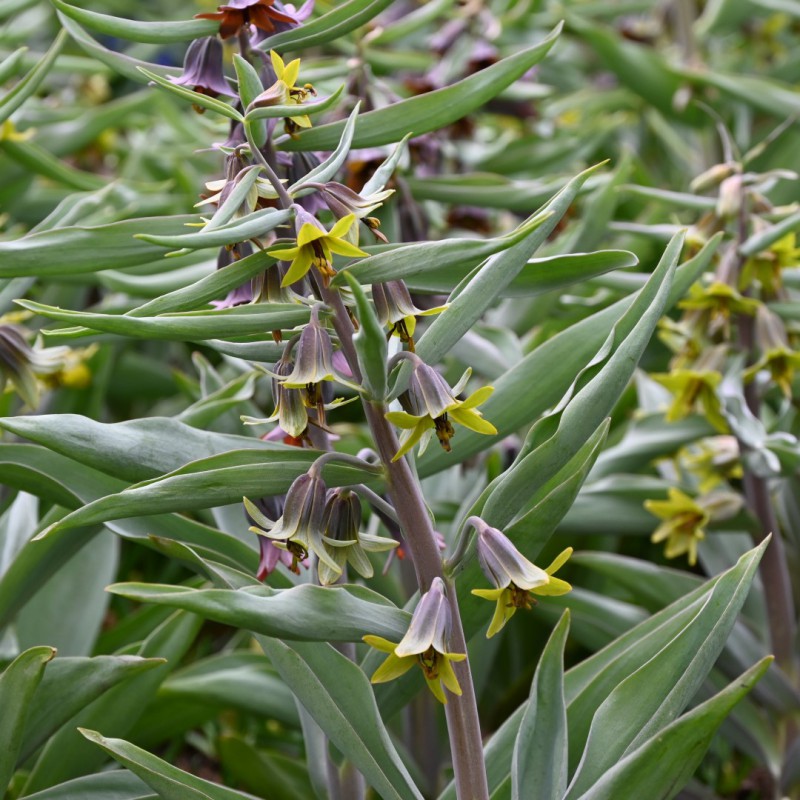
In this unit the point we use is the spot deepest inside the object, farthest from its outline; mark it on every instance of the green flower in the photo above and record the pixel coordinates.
(516, 579)
(315, 247)
(432, 406)
(425, 644)
(683, 526)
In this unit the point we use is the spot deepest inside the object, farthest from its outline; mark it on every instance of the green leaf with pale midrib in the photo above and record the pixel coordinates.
(428, 112)
(185, 326)
(304, 613)
(149, 32)
(71, 250)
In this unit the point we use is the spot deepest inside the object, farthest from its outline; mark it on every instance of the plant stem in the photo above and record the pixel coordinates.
(463, 724)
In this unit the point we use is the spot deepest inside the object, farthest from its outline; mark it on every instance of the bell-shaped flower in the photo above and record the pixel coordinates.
(21, 364)
(683, 525)
(431, 406)
(426, 644)
(202, 68)
(316, 246)
(715, 305)
(697, 385)
(342, 200)
(343, 537)
(776, 356)
(237, 14)
(515, 578)
(313, 365)
(301, 526)
(270, 555)
(396, 310)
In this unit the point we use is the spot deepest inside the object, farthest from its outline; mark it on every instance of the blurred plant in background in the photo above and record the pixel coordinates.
(247, 251)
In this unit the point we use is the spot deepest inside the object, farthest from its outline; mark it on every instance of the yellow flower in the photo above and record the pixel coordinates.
(691, 386)
(315, 246)
(765, 267)
(431, 406)
(715, 304)
(285, 92)
(517, 593)
(424, 644)
(683, 526)
(781, 362)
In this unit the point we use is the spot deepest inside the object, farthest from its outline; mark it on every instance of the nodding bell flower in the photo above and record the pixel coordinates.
(515, 578)
(270, 554)
(776, 356)
(714, 306)
(342, 200)
(343, 539)
(431, 405)
(202, 69)
(697, 384)
(426, 644)
(683, 526)
(290, 406)
(396, 310)
(299, 529)
(237, 14)
(313, 365)
(315, 247)
(21, 364)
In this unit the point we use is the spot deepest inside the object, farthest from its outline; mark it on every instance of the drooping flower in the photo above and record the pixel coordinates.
(202, 68)
(343, 537)
(712, 461)
(683, 526)
(299, 529)
(697, 385)
(715, 305)
(21, 364)
(515, 578)
(432, 406)
(396, 310)
(313, 365)
(426, 644)
(236, 14)
(777, 356)
(270, 555)
(315, 247)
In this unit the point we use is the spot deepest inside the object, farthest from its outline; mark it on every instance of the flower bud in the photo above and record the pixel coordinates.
(502, 563)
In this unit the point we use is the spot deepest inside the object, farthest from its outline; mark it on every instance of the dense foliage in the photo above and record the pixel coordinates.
(400, 400)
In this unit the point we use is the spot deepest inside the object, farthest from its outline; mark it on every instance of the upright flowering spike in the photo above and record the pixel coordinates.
(516, 579)
(236, 14)
(202, 68)
(315, 246)
(425, 644)
(431, 405)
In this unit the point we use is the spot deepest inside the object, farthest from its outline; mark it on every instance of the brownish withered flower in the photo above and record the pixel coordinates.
(236, 14)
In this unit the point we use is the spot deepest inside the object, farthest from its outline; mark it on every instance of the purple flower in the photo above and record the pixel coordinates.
(202, 68)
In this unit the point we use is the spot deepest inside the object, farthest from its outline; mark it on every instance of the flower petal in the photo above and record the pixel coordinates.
(392, 668)
(298, 269)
